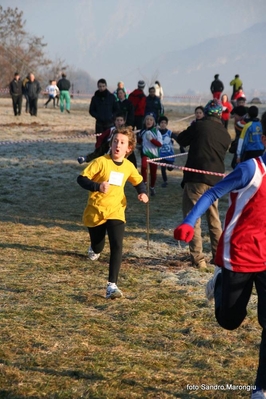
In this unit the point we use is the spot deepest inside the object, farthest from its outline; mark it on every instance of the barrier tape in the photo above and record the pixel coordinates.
(27, 141)
(185, 168)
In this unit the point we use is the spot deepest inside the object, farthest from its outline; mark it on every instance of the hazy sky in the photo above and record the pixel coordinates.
(115, 38)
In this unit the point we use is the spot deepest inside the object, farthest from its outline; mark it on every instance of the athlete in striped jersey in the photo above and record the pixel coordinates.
(241, 251)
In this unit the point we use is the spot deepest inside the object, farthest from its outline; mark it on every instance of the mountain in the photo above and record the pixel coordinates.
(192, 70)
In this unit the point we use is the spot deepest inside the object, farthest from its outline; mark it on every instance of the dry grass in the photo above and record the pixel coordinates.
(60, 338)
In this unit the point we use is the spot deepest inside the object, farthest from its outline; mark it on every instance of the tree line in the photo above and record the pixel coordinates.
(24, 53)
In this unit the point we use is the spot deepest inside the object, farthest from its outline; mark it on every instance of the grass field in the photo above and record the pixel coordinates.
(60, 337)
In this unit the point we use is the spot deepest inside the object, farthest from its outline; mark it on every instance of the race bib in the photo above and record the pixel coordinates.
(116, 178)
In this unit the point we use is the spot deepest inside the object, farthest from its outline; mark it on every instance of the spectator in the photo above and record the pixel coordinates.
(158, 90)
(120, 85)
(15, 90)
(125, 106)
(199, 114)
(237, 84)
(103, 107)
(217, 87)
(64, 85)
(240, 102)
(153, 104)
(250, 144)
(52, 91)
(227, 108)
(238, 94)
(208, 140)
(32, 90)
(138, 99)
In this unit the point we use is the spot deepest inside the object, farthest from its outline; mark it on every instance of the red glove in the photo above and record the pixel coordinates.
(184, 232)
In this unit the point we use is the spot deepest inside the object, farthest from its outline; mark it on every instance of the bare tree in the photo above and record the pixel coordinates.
(20, 51)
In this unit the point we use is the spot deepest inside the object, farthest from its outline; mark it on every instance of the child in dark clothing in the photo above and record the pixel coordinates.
(167, 148)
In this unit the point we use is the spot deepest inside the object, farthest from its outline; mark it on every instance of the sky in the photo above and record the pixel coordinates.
(114, 39)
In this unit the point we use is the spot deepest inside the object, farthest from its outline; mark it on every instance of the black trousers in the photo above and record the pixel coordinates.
(33, 106)
(115, 230)
(232, 294)
(50, 99)
(163, 169)
(17, 104)
(138, 122)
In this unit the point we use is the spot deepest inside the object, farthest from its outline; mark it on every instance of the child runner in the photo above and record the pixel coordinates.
(151, 140)
(102, 145)
(249, 143)
(105, 178)
(241, 253)
(167, 148)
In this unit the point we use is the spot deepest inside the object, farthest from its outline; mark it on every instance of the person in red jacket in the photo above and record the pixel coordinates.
(138, 99)
(227, 108)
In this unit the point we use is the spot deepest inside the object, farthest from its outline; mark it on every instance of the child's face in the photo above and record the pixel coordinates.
(199, 114)
(120, 147)
(121, 94)
(149, 122)
(163, 125)
(119, 121)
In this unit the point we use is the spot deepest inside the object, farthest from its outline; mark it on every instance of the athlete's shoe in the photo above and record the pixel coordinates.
(261, 394)
(81, 160)
(112, 291)
(92, 254)
(152, 191)
(209, 290)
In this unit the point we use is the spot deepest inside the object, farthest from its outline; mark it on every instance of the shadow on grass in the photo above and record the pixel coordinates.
(45, 250)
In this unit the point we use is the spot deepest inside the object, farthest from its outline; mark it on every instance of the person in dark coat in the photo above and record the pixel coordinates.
(32, 89)
(153, 104)
(15, 90)
(217, 87)
(103, 107)
(209, 141)
(64, 85)
(125, 106)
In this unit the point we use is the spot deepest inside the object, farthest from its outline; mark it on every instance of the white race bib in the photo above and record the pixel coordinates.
(116, 178)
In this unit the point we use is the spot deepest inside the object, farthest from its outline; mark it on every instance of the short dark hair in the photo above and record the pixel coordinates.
(240, 99)
(240, 110)
(163, 118)
(103, 81)
(120, 115)
(199, 107)
(253, 111)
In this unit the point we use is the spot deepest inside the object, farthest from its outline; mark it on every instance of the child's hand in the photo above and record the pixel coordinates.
(149, 136)
(143, 198)
(104, 187)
